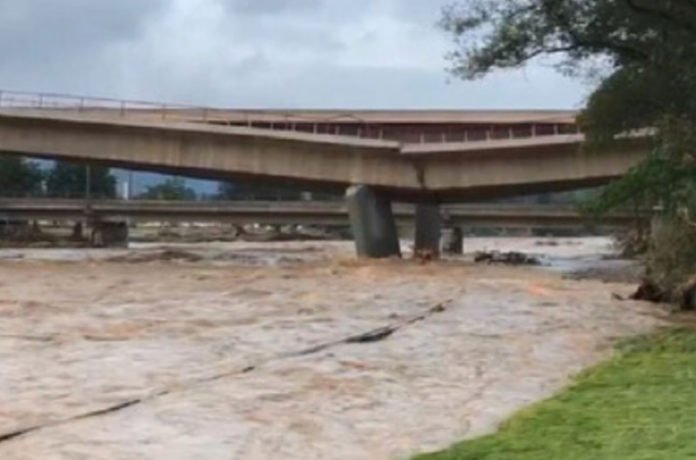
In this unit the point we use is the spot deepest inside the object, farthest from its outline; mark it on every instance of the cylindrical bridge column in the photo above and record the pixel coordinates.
(428, 230)
(453, 241)
(372, 223)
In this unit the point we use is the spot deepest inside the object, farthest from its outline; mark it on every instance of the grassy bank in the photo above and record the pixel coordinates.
(639, 405)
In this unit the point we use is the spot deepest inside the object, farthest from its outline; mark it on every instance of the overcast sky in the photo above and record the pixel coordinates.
(255, 53)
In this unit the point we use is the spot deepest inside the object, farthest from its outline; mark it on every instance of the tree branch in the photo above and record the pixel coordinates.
(552, 9)
(666, 16)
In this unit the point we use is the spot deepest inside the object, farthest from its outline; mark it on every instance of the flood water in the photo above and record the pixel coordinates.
(236, 350)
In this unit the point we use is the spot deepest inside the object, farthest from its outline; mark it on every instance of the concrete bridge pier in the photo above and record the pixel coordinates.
(109, 234)
(428, 230)
(372, 223)
(453, 241)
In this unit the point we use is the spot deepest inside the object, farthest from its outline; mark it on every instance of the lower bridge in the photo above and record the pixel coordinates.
(328, 213)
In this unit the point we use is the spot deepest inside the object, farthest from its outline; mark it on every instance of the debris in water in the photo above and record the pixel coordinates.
(373, 336)
(167, 255)
(546, 243)
(424, 255)
(651, 292)
(508, 258)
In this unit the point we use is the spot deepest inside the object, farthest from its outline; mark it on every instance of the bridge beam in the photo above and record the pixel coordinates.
(372, 223)
(428, 230)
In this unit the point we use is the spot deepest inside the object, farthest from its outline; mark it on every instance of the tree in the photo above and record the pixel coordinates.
(67, 180)
(260, 192)
(263, 192)
(172, 189)
(227, 191)
(641, 53)
(19, 177)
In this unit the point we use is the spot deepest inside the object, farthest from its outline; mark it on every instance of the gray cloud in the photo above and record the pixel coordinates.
(253, 7)
(37, 28)
(53, 46)
(254, 53)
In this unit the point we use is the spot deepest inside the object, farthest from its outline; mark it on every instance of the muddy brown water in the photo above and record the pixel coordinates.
(220, 356)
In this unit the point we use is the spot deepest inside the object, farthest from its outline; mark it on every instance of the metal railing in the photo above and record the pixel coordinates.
(104, 106)
(165, 111)
(278, 120)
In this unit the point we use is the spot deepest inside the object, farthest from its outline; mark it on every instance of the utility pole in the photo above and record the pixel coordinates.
(88, 194)
(88, 183)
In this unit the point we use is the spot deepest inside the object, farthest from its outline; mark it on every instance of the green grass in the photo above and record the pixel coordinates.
(639, 405)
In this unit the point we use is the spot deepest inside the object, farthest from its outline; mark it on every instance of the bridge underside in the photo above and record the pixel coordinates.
(471, 194)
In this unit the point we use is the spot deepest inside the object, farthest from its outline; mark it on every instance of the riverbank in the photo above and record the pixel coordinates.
(637, 405)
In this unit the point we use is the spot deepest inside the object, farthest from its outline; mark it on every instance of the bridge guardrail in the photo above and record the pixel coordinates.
(252, 118)
(105, 106)
(125, 108)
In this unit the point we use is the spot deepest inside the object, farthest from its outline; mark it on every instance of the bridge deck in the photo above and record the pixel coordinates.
(449, 171)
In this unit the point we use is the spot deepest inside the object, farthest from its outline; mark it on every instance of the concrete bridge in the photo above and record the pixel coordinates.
(375, 171)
